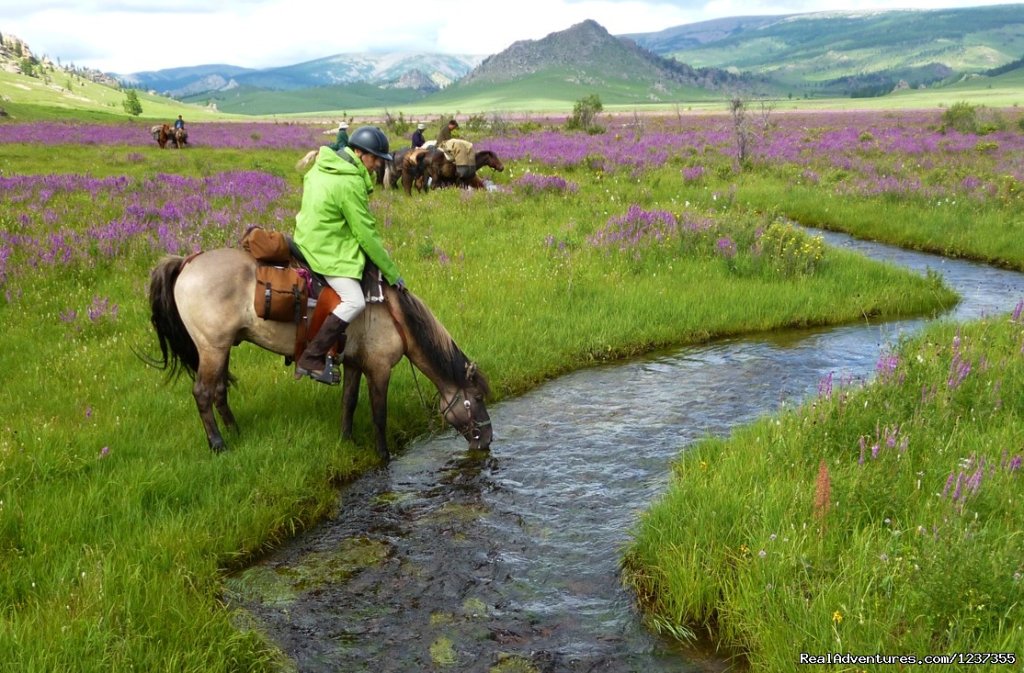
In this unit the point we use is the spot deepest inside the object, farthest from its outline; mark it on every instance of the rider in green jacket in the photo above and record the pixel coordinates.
(336, 233)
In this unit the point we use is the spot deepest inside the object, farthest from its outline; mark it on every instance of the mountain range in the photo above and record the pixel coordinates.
(419, 71)
(811, 55)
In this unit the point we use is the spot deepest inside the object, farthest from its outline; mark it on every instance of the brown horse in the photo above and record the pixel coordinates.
(164, 134)
(408, 167)
(203, 306)
(441, 170)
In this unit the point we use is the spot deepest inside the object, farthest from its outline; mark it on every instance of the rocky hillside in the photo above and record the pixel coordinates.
(16, 56)
(590, 53)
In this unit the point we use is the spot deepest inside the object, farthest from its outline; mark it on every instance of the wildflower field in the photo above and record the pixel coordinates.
(117, 525)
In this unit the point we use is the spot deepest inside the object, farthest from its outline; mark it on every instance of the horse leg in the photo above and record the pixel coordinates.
(378, 385)
(220, 398)
(349, 398)
(407, 182)
(212, 373)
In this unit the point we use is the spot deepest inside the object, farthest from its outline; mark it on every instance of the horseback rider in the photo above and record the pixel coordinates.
(336, 233)
(446, 131)
(179, 123)
(341, 141)
(461, 153)
(417, 136)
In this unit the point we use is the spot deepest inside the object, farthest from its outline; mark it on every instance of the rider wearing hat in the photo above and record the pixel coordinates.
(342, 140)
(417, 136)
(336, 233)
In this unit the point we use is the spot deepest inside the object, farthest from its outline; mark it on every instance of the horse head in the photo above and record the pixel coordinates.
(466, 410)
(489, 159)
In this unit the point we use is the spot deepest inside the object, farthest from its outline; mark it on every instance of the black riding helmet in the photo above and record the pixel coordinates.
(371, 139)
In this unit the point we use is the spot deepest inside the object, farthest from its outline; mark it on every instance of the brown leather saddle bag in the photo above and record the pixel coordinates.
(280, 293)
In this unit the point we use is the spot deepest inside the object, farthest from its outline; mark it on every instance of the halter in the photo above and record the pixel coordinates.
(474, 427)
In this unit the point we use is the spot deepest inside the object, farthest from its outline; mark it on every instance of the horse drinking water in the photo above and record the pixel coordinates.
(203, 305)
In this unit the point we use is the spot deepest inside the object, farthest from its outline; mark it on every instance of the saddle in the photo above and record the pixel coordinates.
(287, 288)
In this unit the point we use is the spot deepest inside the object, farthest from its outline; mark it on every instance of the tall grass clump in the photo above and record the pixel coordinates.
(878, 519)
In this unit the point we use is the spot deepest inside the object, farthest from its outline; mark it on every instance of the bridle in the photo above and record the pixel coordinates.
(472, 431)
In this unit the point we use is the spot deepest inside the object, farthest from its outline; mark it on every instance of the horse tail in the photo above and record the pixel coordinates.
(178, 351)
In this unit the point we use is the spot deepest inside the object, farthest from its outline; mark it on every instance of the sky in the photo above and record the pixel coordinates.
(127, 36)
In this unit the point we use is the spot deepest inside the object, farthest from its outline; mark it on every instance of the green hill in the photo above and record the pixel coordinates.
(26, 98)
(837, 53)
(558, 89)
(258, 101)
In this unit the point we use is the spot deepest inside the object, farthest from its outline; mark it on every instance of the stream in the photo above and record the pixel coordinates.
(507, 561)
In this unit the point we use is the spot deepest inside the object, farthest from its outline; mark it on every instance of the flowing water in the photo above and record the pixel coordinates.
(507, 561)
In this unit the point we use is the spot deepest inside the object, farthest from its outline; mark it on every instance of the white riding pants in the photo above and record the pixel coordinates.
(352, 300)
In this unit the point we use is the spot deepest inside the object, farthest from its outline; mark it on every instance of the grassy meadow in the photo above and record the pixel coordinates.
(876, 520)
(117, 525)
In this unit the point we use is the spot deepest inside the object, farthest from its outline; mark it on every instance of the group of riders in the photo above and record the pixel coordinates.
(456, 149)
(337, 234)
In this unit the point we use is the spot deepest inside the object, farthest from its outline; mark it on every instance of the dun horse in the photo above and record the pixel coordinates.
(202, 306)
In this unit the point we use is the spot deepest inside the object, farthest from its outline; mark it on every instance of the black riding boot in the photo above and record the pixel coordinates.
(314, 361)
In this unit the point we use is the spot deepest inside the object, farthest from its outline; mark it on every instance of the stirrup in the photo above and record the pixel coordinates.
(328, 375)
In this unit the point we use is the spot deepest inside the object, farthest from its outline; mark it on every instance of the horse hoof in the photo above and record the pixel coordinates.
(218, 446)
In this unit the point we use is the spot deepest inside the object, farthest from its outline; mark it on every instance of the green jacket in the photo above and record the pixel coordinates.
(334, 228)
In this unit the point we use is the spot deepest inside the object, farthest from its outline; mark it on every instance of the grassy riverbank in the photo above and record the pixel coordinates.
(882, 519)
(116, 523)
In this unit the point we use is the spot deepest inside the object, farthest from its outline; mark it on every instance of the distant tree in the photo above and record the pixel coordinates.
(741, 129)
(583, 114)
(131, 103)
(27, 67)
(961, 117)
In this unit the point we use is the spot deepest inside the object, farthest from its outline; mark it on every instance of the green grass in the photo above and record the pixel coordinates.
(988, 232)
(30, 98)
(117, 525)
(250, 101)
(838, 526)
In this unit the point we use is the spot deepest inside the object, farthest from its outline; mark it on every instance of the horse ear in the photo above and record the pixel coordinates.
(471, 371)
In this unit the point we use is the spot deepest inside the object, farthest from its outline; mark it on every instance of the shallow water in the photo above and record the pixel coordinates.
(508, 560)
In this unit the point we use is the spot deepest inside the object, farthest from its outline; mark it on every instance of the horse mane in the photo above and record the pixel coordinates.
(440, 350)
